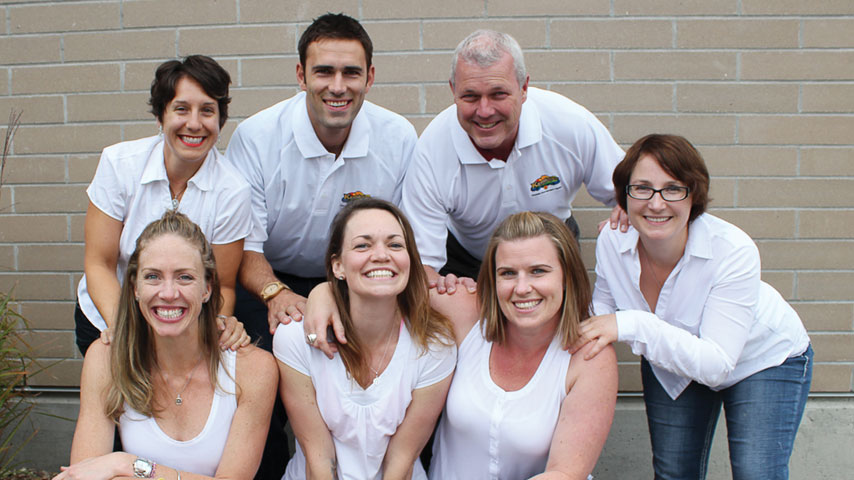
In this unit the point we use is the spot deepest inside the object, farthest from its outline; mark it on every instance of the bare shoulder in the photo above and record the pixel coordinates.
(255, 367)
(96, 363)
(461, 308)
(602, 368)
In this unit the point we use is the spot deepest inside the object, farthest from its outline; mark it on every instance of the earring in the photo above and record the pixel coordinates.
(159, 129)
(341, 277)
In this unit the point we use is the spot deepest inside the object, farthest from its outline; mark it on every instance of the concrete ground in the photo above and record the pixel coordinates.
(822, 450)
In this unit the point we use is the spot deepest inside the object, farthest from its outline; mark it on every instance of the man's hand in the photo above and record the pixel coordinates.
(320, 315)
(618, 218)
(601, 329)
(449, 283)
(283, 308)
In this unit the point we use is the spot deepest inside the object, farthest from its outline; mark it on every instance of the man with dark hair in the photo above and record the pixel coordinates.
(304, 159)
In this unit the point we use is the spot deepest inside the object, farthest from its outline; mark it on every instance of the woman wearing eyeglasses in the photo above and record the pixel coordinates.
(682, 288)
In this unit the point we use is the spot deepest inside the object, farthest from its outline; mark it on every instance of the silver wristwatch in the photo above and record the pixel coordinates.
(143, 468)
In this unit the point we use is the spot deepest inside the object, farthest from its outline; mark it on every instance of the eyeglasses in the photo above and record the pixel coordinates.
(668, 194)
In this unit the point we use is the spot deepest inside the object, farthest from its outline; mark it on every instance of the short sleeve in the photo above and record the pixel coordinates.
(290, 348)
(106, 190)
(234, 218)
(436, 364)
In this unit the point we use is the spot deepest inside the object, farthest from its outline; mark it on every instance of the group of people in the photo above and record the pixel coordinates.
(448, 298)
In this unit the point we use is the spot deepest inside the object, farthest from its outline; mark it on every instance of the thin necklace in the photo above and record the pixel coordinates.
(385, 352)
(176, 197)
(178, 400)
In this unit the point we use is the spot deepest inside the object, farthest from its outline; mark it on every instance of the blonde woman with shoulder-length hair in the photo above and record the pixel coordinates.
(183, 408)
(520, 406)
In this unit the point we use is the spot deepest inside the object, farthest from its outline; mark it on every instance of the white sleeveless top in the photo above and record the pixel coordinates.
(142, 436)
(488, 433)
(362, 421)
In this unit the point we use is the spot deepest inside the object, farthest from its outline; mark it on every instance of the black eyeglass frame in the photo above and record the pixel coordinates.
(659, 191)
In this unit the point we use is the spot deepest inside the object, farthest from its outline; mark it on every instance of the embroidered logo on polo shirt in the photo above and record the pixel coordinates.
(350, 196)
(542, 184)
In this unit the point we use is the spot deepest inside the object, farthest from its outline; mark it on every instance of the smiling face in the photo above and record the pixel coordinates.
(374, 260)
(171, 286)
(190, 124)
(529, 283)
(335, 78)
(489, 103)
(656, 219)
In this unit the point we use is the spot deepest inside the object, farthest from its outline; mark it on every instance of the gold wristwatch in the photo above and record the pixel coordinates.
(272, 289)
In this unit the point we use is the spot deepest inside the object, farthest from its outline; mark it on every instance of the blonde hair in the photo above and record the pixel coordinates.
(577, 292)
(424, 324)
(132, 357)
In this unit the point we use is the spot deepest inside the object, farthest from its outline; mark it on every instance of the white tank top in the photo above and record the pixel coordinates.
(488, 433)
(142, 436)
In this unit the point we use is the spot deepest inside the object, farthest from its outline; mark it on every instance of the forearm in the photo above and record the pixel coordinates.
(228, 300)
(104, 289)
(255, 272)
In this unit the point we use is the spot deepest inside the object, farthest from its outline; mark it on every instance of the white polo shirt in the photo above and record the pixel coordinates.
(450, 186)
(130, 185)
(715, 321)
(298, 187)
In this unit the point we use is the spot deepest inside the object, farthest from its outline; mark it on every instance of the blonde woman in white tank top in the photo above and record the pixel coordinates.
(519, 406)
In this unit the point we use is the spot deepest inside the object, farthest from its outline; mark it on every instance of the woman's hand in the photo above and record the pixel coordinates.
(601, 330)
(233, 334)
(107, 335)
(104, 467)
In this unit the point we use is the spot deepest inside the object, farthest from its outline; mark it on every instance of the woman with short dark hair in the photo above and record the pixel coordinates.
(178, 169)
(682, 288)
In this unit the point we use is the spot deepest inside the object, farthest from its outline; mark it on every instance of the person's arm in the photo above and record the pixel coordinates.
(255, 272)
(462, 310)
(585, 417)
(310, 430)
(321, 313)
(417, 426)
(726, 319)
(102, 234)
(228, 257)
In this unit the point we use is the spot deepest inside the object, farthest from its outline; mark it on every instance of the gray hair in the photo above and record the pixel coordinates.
(485, 48)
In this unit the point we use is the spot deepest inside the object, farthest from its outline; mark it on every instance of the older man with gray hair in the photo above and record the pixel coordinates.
(503, 147)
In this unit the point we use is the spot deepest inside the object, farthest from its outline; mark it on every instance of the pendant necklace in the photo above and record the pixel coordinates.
(178, 400)
(651, 269)
(385, 352)
(176, 198)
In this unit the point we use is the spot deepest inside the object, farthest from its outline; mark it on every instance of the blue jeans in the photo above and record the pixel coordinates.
(763, 413)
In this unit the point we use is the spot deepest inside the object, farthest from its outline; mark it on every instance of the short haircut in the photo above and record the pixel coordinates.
(203, 70)
(485, 48)
(677, 157)
(335, 26)
(577, 295)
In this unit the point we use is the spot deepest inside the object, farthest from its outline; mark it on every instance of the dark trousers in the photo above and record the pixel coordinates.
(252, 312)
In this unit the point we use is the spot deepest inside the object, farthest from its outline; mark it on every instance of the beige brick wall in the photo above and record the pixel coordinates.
(764, 88)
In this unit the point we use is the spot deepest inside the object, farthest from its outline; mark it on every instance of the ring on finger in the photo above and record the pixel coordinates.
(310, 338)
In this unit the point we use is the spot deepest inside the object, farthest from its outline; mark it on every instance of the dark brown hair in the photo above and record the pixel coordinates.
(425, 325)
(577, 294)
(203, 70)
(335, 26)
(677, 157)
